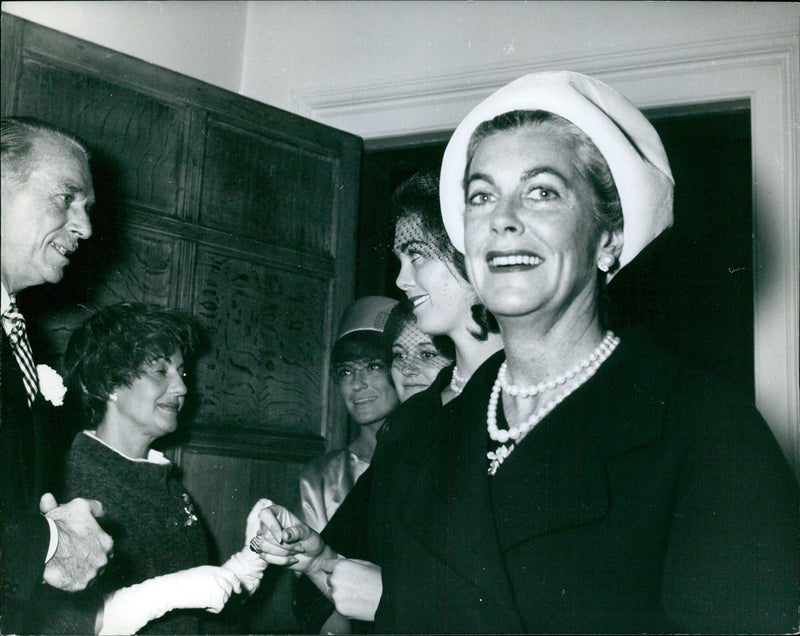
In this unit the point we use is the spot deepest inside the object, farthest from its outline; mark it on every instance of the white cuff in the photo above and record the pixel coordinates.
(51, 550)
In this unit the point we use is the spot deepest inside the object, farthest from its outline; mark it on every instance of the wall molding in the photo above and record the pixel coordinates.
(414, 105)
(763, 70)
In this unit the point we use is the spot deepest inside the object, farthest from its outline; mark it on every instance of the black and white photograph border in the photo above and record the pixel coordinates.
(375, 88)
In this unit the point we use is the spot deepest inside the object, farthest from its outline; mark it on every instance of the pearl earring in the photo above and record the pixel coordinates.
(113, 397)
(605, 263)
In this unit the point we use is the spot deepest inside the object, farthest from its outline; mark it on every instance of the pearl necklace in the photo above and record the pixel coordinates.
(580, 374)
(457, 382)
(535, 389)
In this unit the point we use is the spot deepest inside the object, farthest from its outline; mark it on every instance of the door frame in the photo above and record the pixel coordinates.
(763, 70)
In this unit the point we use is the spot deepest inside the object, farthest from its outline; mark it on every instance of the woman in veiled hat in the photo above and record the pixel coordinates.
(590, 481)
(443, 311)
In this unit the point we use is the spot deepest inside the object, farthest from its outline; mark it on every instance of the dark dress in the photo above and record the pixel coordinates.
(155, 530)
(650, 500)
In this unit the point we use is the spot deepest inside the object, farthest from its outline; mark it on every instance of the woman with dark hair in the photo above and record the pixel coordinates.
(417, 358)
(446, 307)
(127, 363)
(587, 482)
(359, 365)
(434, 278)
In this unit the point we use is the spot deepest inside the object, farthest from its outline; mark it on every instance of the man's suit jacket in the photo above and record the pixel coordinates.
(26, 534)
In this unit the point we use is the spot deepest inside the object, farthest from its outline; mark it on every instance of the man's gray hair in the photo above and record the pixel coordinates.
(17, 136)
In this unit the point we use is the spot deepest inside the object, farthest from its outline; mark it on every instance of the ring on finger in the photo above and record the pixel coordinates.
(255, 543)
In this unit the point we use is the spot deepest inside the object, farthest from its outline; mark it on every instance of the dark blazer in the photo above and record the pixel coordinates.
(650, 500)
(26, 534)
(347, 532)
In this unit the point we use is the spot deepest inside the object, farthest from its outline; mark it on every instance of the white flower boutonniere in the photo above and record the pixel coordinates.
(51, 385)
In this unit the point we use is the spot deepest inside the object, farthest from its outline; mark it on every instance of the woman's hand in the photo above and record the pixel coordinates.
(285, 540)
(356, 588)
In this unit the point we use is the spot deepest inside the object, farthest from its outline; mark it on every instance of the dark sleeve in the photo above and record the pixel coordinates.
(346, 533)
(26, 538)
(732, 563)
(310, 606)
(73, 612)
(68, 612)
(26, 534)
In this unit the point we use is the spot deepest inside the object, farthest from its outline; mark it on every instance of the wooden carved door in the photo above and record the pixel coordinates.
(243, 215)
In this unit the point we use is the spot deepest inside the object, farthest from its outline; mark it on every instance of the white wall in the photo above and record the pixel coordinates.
(288, 53)
(297, 48)
(204, 40)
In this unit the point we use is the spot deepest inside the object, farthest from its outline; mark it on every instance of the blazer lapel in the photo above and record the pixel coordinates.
(19, 428)
(449, 510)
(557, 477)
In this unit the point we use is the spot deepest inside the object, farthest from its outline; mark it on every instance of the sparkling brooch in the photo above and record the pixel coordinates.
(188, 510)
(498, 457)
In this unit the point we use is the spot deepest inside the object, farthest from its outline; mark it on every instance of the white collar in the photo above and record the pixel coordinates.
(5, 302)
(5, 299)
(153, 456)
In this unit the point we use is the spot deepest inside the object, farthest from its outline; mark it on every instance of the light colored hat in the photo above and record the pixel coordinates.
(628, 142)
(368, 313)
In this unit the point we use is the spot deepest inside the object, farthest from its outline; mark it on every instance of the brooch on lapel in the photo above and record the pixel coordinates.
(188, 510)
(51, 385)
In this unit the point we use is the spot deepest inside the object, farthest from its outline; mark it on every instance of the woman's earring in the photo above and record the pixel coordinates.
(605, 263)
(113, 397)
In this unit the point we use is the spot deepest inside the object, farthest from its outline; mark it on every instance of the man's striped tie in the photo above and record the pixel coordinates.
(22, 350)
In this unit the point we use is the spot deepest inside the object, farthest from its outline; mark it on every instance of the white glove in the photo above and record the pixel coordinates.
(247, 565)
(129, 609)
(253, 522)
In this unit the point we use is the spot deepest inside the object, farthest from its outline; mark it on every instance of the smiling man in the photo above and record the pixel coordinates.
(46, 196)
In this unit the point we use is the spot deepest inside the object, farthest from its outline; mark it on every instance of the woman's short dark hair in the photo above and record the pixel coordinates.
(591, 164)
(363, 344)
(417, 198)
(17, 136)
(112, 347)
(402, 314)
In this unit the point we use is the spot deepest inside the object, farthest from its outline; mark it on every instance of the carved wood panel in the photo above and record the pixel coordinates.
(266, 329)
(140, 136)
(284, 190)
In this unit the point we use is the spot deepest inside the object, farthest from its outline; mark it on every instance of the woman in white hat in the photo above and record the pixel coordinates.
(587, 481)
(590, 482)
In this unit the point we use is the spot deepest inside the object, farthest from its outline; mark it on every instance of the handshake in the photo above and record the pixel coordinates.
(353, 585)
